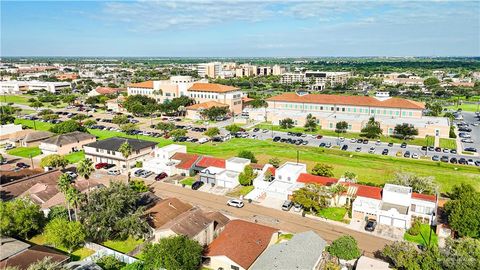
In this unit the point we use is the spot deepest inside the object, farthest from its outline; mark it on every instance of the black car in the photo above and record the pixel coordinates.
(365, 141)
(431, 148)
(424, 148)
(444, 159)
(370, 226)
(360, 141)
(465, 129)
(403, 145)
(344, 147)
(276, 139)
(256, 129)
(470, 149)
(453, 160)
(322, 144)
(453, 151)
(197, 185)
(385, 152)
(22, 165)
(390, 144)
(462, 161)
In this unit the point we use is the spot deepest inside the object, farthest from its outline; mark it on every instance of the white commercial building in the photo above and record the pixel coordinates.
(16, 87)
(316, 80)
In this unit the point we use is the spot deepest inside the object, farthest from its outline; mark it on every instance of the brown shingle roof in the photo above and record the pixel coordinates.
(218, 217)
(146, 84)
(206, 105)
(212, 87)
(37, 135)
(189, 223)
(348, 100)
(166, 210)
(242, 242)
(69, 138)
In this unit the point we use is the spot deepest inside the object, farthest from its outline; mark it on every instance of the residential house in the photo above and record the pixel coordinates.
(66, 143)
(171, 159)
(11, 132)
(106, 151)
(239, 245)
(304, 251)
(221, 173)
(20, 255)
(367, 263)
(35, 138)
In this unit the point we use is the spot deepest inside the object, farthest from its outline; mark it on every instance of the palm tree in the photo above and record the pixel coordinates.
(73, 197)
(85, 169)
(126, 150)
(336, 190)
(64, 184)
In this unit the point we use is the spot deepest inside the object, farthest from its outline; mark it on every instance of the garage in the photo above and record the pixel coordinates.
(385, 220)
(399, 223)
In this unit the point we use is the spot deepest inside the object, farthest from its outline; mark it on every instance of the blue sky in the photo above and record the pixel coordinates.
(240, 28)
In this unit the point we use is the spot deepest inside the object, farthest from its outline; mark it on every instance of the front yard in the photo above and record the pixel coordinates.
(423, 237)
(333, 213)
(25, 152)
(240, 191)
(75, 157)
(188, 181)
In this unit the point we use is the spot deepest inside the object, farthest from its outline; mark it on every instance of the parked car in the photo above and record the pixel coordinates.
(453, 151)
(385, 152)
(146, 174)
(365, 141)
(467, 141)
(358, 149)
(321, 144)
(100, 165)
(370, 226)
(377, 142)
(138, 172)
(353, 140)
(113, 172)
(438, 149)
(390, 144)
(415, 156)
(462, 161)
(235, 203)
(371, 150)
(403, 145)
(453, 160)
(161, 176)
(297, 207)
(424, 148)
(444, 159)
(344, 147)
(470, 149)
(436, 158)
(360, 141)
(407, 154)
(319, 137)
(197, 185)
(9, 146)
(202, 140)
(287, 205)
(276, 139)
(328, 145)
(71, 175)
(22, 165)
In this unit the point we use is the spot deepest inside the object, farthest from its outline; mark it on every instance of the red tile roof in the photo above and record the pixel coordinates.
(242, 242)
(108, 90)
(367, 191)
(424, 197)
(272, 170)
(212, 87)
(206, 105)
(322, 180)
(206, 162)
(186, 160)
(348, 100)
(147, 84)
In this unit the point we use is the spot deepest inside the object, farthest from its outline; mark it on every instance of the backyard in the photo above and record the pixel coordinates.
(77, 255)
(333, 213)
(123, 246)
(75, 157)
(25, 152)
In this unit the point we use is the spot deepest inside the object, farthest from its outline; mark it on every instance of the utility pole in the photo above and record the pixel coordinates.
(297, 156)
(31, 161)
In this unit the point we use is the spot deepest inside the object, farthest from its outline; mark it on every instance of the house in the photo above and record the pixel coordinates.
(18, 254)
(35, 138)
(10, 132)
(194, 111)
(173, 217)
(66, 143)
(106, 151)
(171, 159)
(42, 189)
(393, 205)
(222, 173)
(367, 263)
(105, 91)
(304, 251)
(239, 245)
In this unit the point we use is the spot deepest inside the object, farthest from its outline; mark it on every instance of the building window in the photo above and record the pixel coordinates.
(343, 109)
(321, 108)
(331, 125)
(331, 108)
(410, 114)
(234, 267)
(349, 127)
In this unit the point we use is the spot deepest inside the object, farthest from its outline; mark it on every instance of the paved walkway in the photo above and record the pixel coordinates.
(282, 220)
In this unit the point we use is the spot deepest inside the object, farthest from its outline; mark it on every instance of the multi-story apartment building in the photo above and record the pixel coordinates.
(316, 79)
(229, 95)
(106, 151)
(210, 70)
(250, 70)
(16, 87)
(163, 90)
(67, 76)
(356, 110)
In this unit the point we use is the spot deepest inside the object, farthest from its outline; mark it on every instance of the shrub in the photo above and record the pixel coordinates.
(345, 248)
(416, 227)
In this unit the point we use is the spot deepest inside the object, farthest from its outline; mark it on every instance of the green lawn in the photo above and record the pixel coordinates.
(448, 143)
(375, 169)
(37, 125)
(284, 236)
(75, 157)
(240, 191)
(422, 237)
(124, 246)
(25, 152)
(77, 255)
(464, 107)
(18, 99)
(333, 213)
(429, 141)
(332, 133)
(188, 181)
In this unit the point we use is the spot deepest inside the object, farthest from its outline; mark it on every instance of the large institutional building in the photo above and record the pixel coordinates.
(355, 110)
(316, 79)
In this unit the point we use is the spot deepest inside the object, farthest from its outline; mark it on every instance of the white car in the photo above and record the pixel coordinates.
(297, 207)
(113, 172)
(371, 150)
(202, 140)
(377, 142)
(353, 140)
(72, 175)
(415, 156)
(341, 139)
(235, 203)
(264, 130)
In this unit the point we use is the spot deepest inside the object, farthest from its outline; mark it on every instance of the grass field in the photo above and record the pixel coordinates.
(448, 143)
(124, 246)
(25, 152)
(333, 213)
(429, 141)
(370, 168)
(75, 156)
(464, 107)
(423, 237)
(188, 181)
(17, 99)
(77, 255)
(332, 133)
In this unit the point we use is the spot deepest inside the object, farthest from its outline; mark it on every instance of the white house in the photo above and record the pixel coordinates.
(224, 176)
(171, 159)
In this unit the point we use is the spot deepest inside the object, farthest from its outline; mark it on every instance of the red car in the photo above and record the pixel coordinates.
(161, 176)
(319, 136)
(101, 165)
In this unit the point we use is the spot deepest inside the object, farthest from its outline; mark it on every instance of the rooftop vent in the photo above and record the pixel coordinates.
(302, 93)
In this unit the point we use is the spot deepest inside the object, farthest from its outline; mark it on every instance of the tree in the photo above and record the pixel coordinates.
(46, 264)
(7, 114)
(89, 123)
(20, 217)
(45, 112)
(461, 254)
(321, 169)
(405, 131)
(459, 190)
(120, 119)
(312, 197)
(140, 105)
(165, 126)
(36, 104)
(246, 177)
(74, 197)
(138, 265)
(350, 176)
(310, 123)
(54, 161)
(64, 184)
(286, 123)
(345, 248)
(138, 186)
(126, 150)
(275, 162)
(175, 252)
(462, 212)
(80, 117)
(109, 262)
(214, 112)
(434, 109)
(335, 190)
(419, 184)
(431, 81)
(341, 127)
(67, 126)
(128, 128)
(248, 155)
(372, 129)
(212, 132)
(176, 133)
(85, 169)
(113, 212)
(402, 255)
(58, 211)
(233, 128)
(63, 233)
